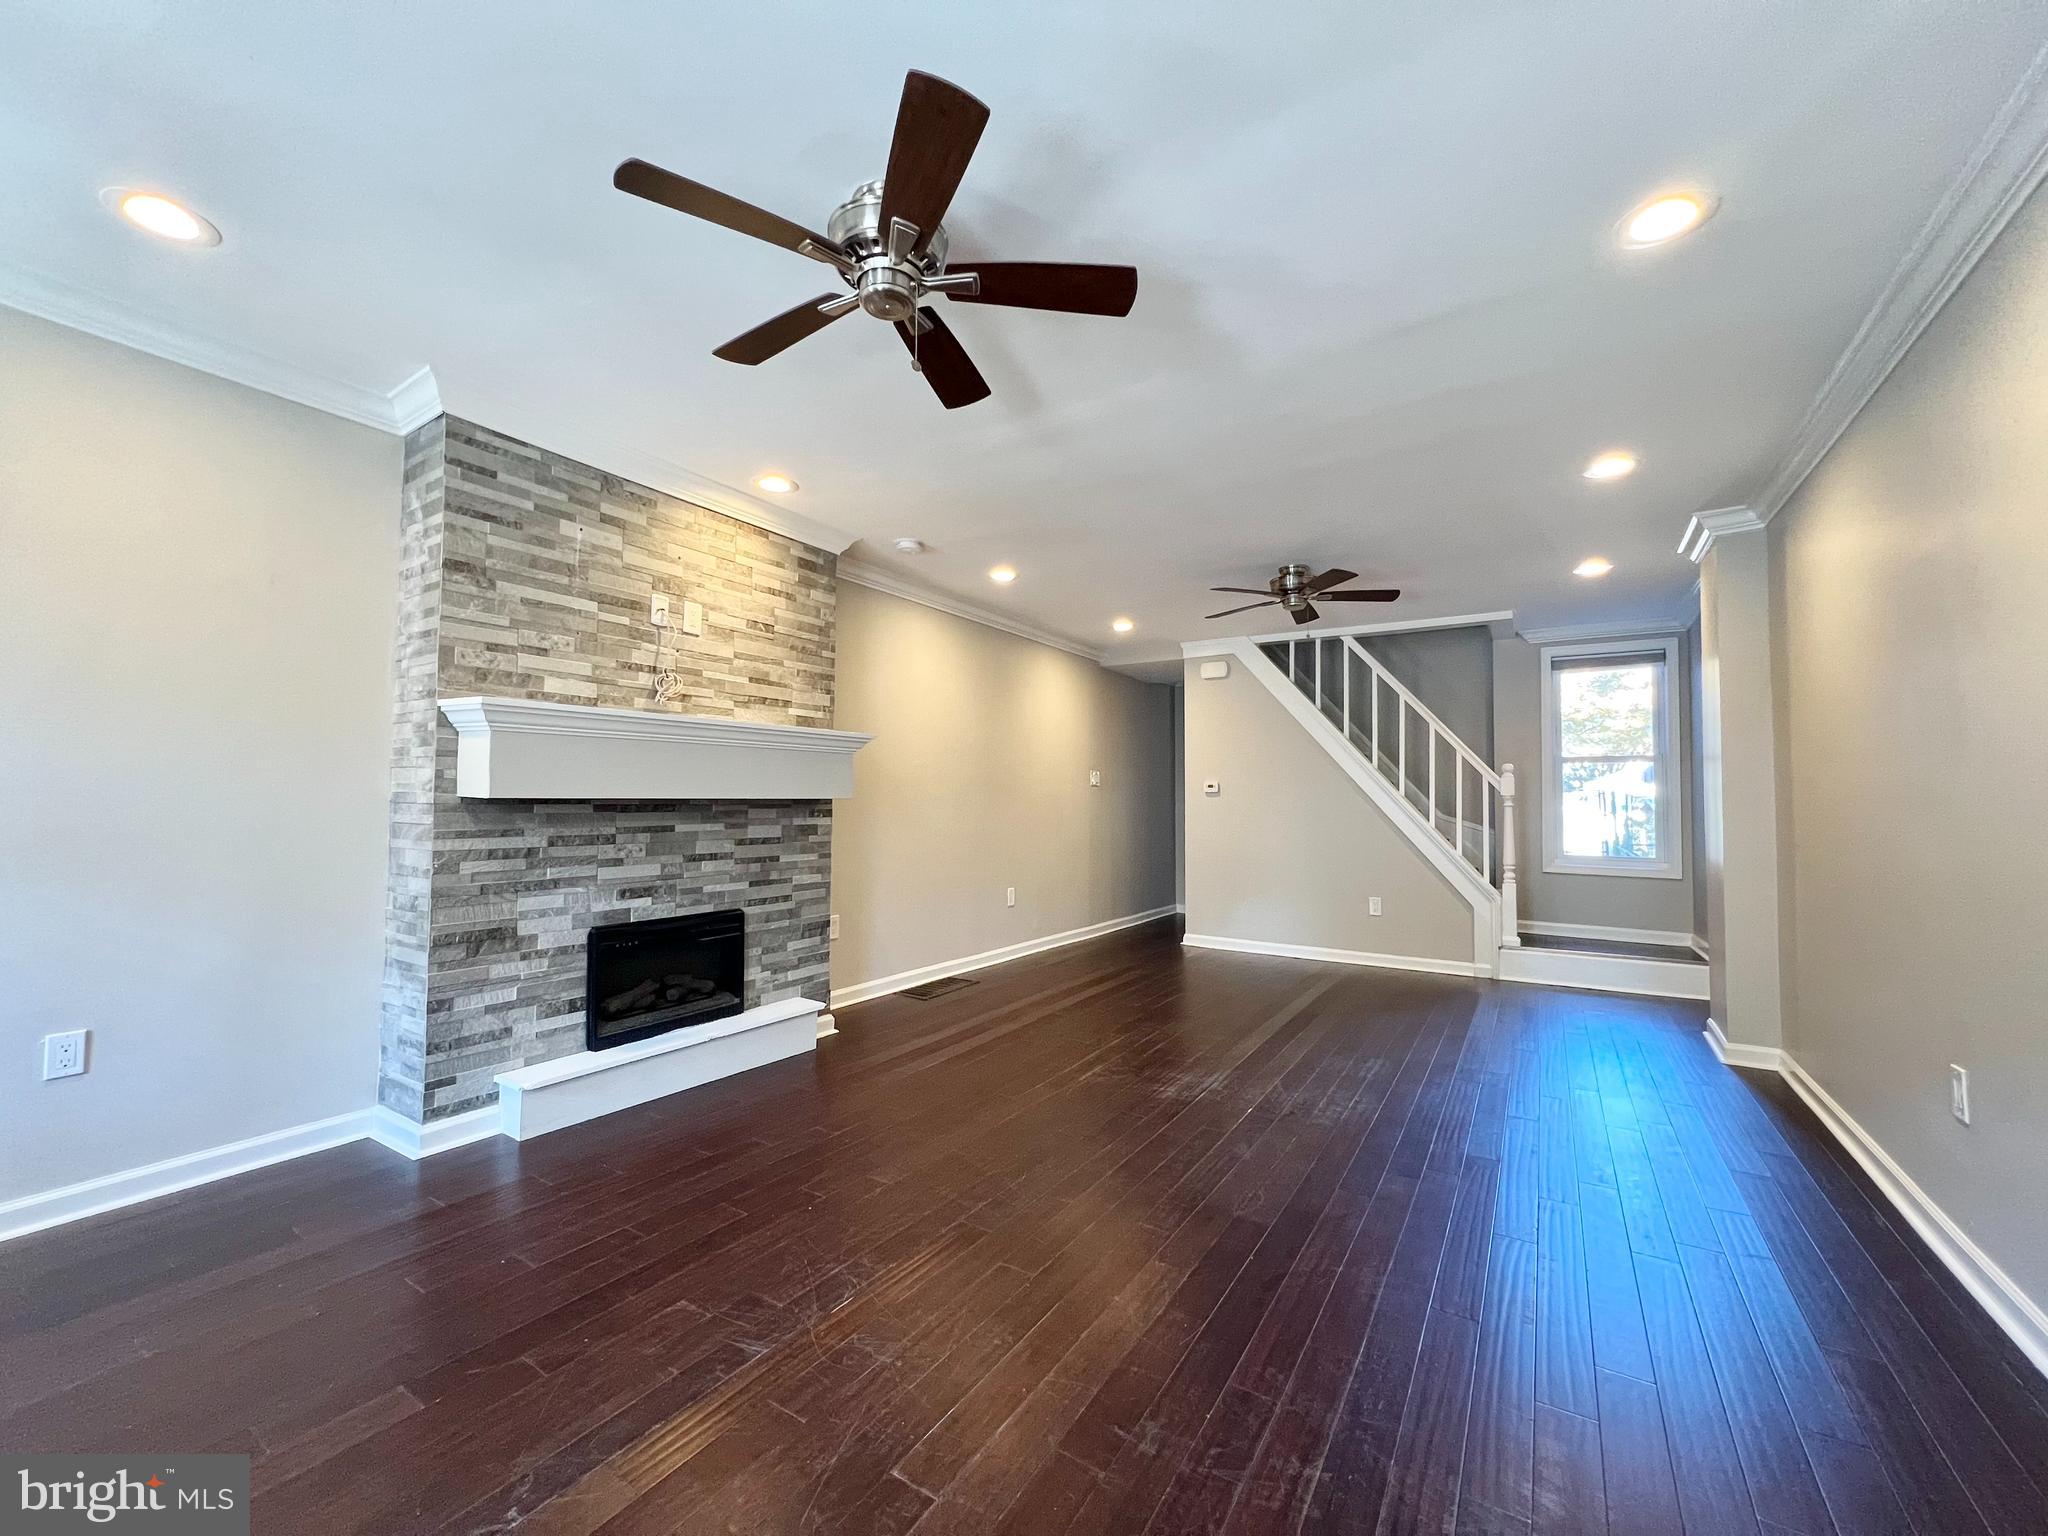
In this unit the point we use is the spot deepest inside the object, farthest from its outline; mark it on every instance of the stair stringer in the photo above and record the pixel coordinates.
(1483, 899)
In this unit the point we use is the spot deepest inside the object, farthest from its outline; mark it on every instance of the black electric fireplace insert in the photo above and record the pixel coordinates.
(647, 978)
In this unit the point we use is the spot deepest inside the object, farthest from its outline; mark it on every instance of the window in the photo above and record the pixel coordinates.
(1610, 804)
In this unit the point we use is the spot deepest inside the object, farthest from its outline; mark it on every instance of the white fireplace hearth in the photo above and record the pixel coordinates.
(571, 1089)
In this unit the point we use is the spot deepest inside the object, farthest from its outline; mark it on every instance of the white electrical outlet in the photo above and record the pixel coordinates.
(1372, 906)
(657, 610)
(832, 926)
(1010, 899)
(63, 1055)
(1959, 1093)
(1095, 778)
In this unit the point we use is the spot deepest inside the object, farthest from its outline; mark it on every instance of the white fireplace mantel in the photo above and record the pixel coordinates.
(534, 749)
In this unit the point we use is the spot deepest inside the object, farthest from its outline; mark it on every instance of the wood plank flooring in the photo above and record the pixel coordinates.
(1124, 1239)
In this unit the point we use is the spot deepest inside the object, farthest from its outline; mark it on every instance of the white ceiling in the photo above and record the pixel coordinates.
(1381, 317)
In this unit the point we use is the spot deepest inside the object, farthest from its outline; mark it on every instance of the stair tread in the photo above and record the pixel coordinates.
(1618, 947)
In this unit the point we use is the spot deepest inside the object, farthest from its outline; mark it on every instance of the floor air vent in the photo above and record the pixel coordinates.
(924, 992)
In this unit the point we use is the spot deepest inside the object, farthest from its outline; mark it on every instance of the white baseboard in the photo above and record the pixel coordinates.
(2010, 1307)
(75, 1202)
(1669, 938)
(863, 991)
(1587, 972)
(410, 1139)
(1765, 1058)
(1333, 956)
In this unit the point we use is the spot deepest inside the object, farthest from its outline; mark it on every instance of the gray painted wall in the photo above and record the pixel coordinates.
(1911, 617)
(1292, 851)
(1451, 671)
(977, 780)
(200, 582)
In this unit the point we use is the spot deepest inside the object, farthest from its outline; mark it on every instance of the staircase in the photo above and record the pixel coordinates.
(1454, 806)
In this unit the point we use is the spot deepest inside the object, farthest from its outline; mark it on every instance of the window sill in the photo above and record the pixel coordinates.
(1624, 871)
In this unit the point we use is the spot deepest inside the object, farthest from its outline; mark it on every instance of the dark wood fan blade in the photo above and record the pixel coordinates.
(712, 205)
(1071, 287)
(1247, 608)
(1360, 595)
(947, 367)
(773, 336)
(937, 127)
(1306, 614)
(1330, 578)
(1267, 591)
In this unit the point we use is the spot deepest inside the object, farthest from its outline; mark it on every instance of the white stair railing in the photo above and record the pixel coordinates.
(1361, 698)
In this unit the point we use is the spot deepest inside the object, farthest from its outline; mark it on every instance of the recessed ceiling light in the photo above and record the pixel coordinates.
(1122, 626)
(775, 484)
(1610, 466)
(1593, 565)
(1002, 575)
(1665, 217)
(161, 216)
(910, 546)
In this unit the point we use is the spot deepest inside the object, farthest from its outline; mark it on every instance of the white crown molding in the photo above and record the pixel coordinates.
(2008, 162)
(1576, 634)
(415, 401)
(1703, 528)
(111, 320)
(876, 579)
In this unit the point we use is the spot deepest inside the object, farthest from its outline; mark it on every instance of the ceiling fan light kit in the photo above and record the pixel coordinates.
(1294, 589)
(888, 244)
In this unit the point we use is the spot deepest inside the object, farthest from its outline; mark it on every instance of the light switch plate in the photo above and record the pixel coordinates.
(1215, 669)
(1372, 907)
(1959, 1093)
(693, 618)
(832, 926)
(1211, 787)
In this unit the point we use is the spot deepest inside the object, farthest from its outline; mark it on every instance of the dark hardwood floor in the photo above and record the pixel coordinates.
(1124, 1239)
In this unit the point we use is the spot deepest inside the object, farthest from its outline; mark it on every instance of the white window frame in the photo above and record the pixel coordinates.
(1670, 777)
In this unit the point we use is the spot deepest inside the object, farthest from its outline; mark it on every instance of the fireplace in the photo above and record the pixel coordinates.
(648, 978)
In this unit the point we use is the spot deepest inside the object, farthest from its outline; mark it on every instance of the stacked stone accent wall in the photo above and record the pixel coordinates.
(540, 590)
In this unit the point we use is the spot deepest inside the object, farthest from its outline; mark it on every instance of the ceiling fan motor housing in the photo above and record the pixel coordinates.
(888, 290)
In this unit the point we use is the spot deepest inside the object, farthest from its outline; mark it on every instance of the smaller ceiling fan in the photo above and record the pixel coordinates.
(1298, 592)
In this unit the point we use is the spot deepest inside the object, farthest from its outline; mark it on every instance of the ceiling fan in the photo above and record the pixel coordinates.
(1298, 592)
(888, 245)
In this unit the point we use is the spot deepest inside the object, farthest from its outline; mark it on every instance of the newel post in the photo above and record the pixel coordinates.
(1510, 923)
